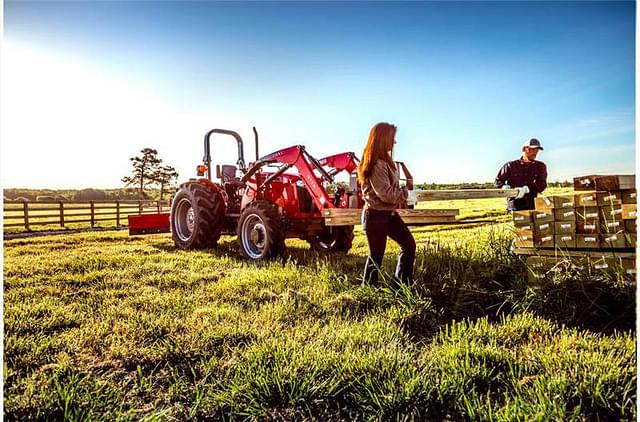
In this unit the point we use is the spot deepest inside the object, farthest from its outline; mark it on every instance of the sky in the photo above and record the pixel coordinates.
(86, 85)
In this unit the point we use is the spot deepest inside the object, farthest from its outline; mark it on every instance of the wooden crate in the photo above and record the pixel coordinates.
(611, 226)
(607, 183)
(629, 196)
(524, 239)
(543, 229)
(585, 199)
(611, 212)
(542, 269)
(587, 227)
(543, 217)
(572, 253)
(629, 266)
(629, 211)
(525, 228)
(630, 226)
(603, 264)
(565, 241)
(564, 214)
(587, 213)
(564, 227)
(608, 198)
(613, 241)
(522, 218)
(588, 241)
(546, 241)
(632, 240)
(544, 265)
(613, 263)
(524, 231)
(564, 201)
(536, 268)
(544, 203)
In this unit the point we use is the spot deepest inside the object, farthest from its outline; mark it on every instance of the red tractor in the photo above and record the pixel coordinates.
(281, 195)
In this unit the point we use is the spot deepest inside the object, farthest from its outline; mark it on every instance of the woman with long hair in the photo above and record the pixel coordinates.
(382, 194)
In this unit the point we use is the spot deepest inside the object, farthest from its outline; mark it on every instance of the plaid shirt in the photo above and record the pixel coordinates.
(518, 173)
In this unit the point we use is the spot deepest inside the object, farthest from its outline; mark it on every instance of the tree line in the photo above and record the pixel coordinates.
(149, 179)
(89, 194)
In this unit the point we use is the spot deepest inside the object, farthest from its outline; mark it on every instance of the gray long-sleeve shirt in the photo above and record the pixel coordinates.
(382, 191)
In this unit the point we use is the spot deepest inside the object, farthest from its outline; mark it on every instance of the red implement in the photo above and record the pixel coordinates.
(149, 223)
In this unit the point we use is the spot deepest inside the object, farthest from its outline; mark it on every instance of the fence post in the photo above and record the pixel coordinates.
(25, 206)
(61, 214)
(158, 206)
(139, 206)
(117, 213)
(93, 222)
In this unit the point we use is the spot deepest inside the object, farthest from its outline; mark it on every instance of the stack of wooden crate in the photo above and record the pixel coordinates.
(597, 221)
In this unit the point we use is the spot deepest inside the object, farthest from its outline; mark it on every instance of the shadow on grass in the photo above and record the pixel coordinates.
(463, 281)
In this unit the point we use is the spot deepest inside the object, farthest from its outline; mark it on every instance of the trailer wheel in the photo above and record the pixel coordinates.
(335, 239)
(197, 215)
(261, 231)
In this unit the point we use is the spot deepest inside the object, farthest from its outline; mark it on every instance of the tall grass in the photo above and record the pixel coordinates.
(103, 326)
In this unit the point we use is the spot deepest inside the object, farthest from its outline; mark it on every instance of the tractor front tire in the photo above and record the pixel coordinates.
(197, 216)
(261, 231)
(334, 239)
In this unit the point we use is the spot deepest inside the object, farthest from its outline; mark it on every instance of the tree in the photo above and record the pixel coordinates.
(144, 168)
(163, 176)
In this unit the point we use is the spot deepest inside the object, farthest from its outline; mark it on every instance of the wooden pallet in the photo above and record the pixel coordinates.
(439, 195)
(353, 216)
(573, 253)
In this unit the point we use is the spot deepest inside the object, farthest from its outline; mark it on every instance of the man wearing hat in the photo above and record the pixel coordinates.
(526, 174)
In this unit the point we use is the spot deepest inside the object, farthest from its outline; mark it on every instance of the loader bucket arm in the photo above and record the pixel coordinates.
(346, 161)
(296, 156)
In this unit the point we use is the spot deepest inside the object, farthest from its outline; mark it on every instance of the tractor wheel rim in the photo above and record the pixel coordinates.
(254, 236)
(185, 220)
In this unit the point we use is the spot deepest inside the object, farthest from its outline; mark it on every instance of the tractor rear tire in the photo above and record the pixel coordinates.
(334, 239)
(197, 216)
(261, 231)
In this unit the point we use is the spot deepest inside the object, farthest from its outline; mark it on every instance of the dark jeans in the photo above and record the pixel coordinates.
(377, 226)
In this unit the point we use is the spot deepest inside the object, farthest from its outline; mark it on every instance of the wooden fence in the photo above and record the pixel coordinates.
(30, 214)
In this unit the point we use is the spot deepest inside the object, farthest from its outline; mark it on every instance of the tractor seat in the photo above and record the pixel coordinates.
(229, 173)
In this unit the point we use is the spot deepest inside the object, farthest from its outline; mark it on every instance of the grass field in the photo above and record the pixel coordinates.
(102, 326)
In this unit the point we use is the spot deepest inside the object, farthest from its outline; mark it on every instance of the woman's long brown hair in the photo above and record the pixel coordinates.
(379, 144)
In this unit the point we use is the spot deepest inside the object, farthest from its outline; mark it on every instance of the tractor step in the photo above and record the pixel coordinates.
(149, 223)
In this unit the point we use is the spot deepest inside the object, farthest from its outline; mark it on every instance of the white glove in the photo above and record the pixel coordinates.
(522, 191)
(412, 198)
(506, 187)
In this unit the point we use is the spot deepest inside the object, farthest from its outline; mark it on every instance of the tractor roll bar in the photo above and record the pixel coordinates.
(207, 148)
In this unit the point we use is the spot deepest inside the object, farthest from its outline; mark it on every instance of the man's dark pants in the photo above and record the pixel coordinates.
(377, 225)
